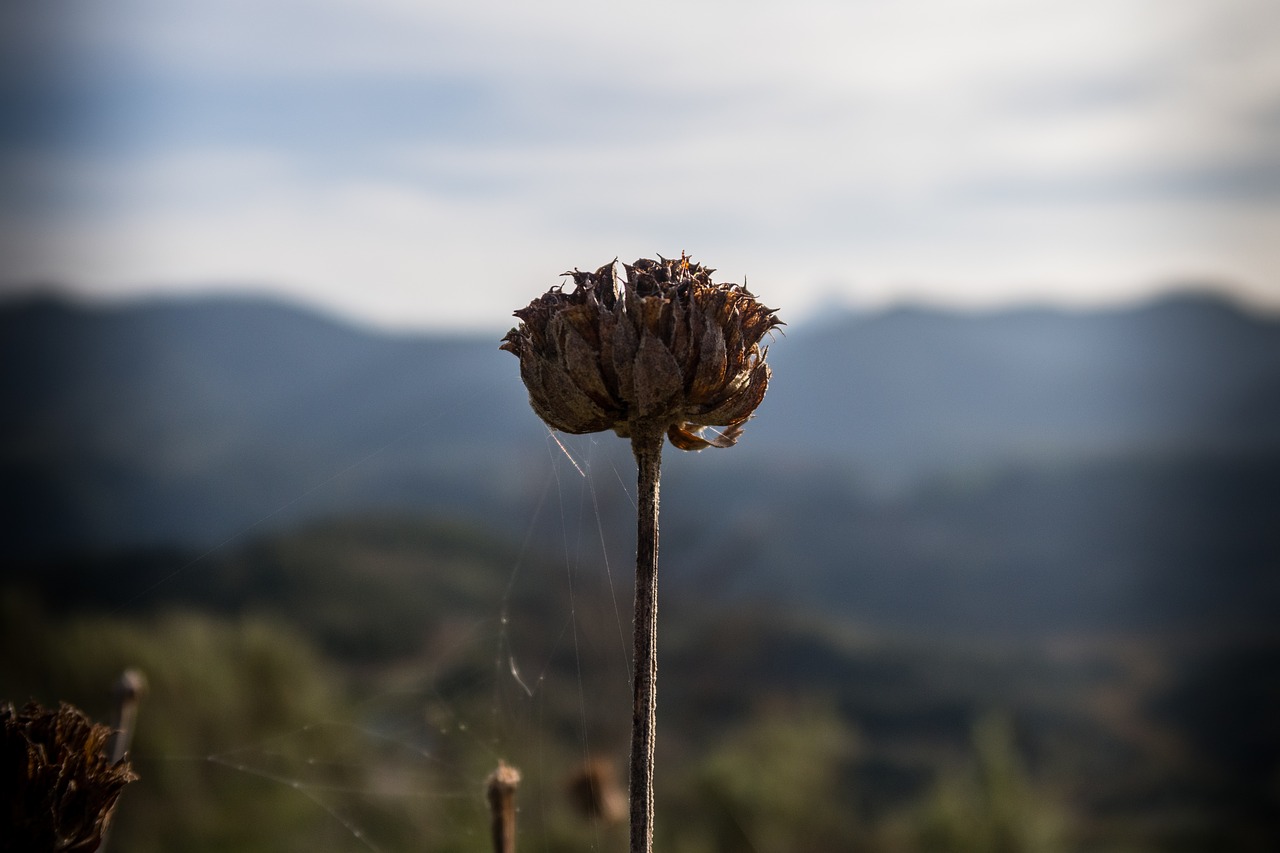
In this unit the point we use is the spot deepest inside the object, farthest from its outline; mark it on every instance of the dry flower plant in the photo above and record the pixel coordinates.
(667, 353)
(58, 786)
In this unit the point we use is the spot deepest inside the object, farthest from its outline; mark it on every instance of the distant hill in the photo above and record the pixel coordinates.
(913, 390)
(188, 421)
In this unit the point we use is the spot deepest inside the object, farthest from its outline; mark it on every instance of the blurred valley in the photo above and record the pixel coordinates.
(999, 581)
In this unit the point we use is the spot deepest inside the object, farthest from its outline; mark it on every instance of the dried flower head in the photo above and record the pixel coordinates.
(594, 791)
(58, 787)
(667, 349)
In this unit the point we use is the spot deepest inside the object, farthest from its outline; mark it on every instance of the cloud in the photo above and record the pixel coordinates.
(366, 153)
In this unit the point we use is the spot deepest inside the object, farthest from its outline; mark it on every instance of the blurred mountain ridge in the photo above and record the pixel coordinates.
(184, 422)
(913, 390)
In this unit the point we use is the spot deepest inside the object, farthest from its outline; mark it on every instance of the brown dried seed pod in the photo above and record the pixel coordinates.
(668, 349)
(594, 791)
(58, 786)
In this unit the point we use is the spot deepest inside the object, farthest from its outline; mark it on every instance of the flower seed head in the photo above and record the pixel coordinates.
(58, 787)
(667, 349)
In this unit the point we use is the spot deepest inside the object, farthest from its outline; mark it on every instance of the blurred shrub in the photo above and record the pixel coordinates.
(778, 782)
(241, 744)
(990, 806)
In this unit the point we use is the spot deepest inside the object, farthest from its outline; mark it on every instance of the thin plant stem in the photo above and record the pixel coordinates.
(646, 445)
(501, 793)
(128, 693)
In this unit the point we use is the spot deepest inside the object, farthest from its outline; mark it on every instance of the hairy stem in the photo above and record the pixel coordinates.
(647, 447)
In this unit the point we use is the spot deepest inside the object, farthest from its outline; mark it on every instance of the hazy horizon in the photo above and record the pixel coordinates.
(821, 312)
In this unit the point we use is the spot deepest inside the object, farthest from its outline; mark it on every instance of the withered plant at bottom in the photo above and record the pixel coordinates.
(58, 786)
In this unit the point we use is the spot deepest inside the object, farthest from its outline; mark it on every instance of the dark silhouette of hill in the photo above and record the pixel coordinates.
(189, 421)
(1045, 467)
(915, 390)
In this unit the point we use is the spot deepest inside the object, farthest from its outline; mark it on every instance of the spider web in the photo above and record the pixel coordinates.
(406, 770)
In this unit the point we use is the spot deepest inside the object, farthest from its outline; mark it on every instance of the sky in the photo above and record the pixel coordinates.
(426, 165)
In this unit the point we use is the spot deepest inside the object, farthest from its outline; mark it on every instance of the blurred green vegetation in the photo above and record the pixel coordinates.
(212, 683)
(991, 805)
(349, 686)
(773, 782)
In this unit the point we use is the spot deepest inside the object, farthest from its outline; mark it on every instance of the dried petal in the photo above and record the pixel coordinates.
(738, 407)
(582, 362)
(625, 345)
(658, 379)
(712, 362)
(559, 401)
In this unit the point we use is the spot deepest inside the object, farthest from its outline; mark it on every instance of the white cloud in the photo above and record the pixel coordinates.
(981, 150)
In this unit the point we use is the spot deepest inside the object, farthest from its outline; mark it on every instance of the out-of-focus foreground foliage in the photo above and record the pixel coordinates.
(350, 685)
